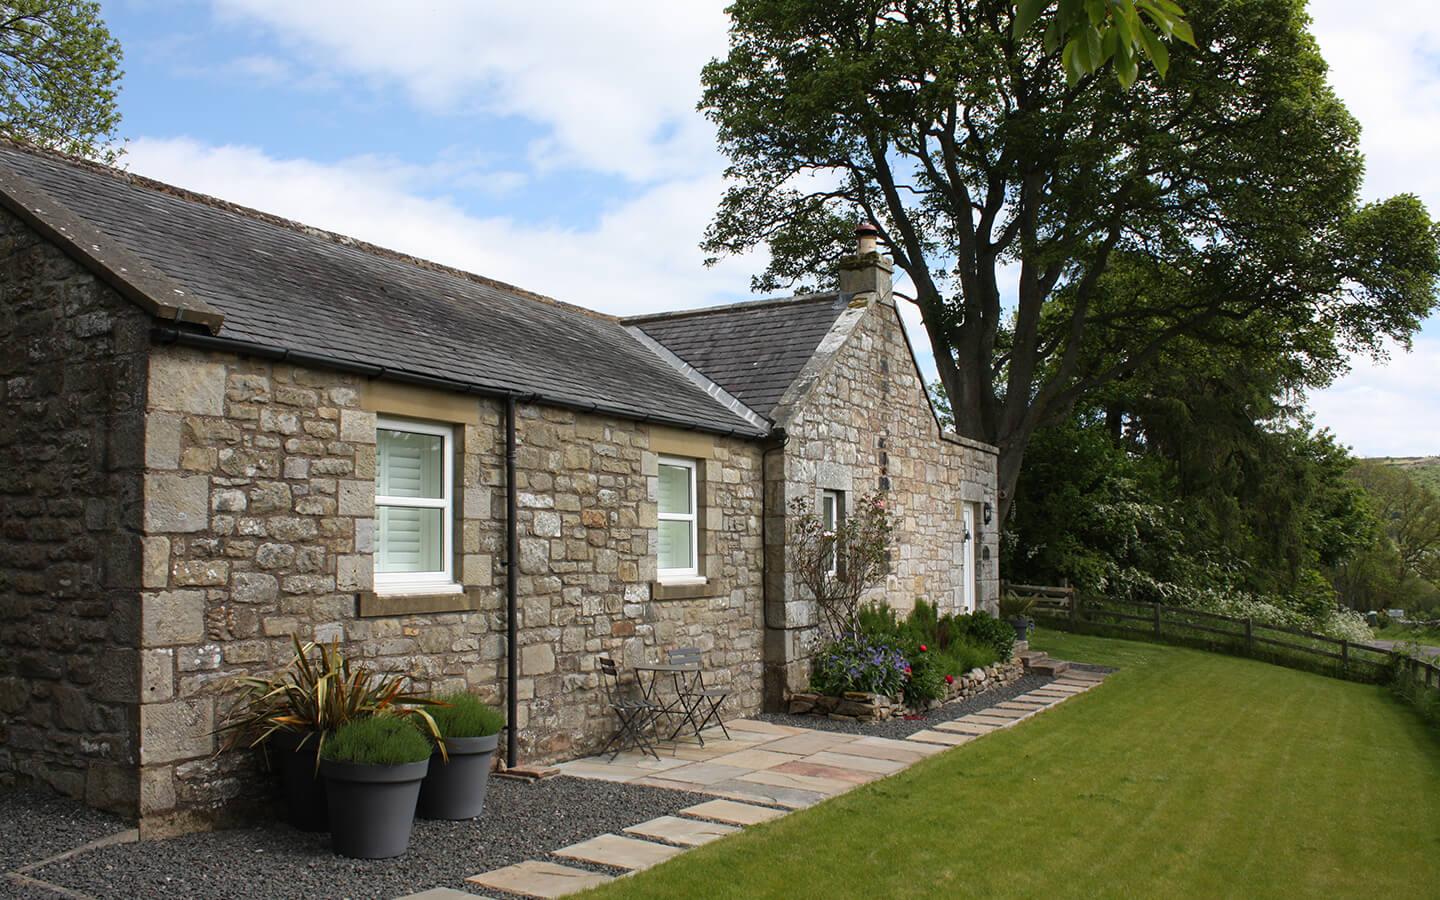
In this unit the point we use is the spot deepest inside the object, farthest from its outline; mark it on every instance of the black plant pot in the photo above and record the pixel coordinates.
(302, 786)
(456, 789)
(372, 807)
(1022, 627)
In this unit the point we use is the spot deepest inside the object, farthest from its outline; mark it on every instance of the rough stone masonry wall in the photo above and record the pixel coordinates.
(260, 525)
(867, 426)
(71, 392)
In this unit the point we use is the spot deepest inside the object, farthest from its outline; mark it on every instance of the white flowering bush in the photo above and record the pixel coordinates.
(1227, 600)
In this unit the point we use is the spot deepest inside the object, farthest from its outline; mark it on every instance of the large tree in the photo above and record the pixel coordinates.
(59, 76)
(1058, 236)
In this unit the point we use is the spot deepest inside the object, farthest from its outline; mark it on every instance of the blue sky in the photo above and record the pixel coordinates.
(555, 144)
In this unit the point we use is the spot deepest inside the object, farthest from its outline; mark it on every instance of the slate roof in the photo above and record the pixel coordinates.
(282, 286)
(753, 350)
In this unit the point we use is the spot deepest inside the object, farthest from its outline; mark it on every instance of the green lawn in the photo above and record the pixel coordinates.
(1186, 774)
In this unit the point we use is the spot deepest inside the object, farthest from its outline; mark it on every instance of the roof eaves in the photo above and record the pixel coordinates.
(140, 283)
(198, 340)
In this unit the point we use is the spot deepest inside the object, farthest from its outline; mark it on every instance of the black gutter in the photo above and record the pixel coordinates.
(512, 577)
(167, 335)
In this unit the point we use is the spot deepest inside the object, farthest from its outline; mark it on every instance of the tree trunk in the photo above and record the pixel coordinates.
(1012, 454)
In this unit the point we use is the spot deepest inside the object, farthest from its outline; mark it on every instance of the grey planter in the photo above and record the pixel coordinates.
(1022, 627)
(456, 789)
(304, 790)
(372, 808)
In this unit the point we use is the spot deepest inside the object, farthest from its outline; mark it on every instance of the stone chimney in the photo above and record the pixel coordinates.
(867, 272)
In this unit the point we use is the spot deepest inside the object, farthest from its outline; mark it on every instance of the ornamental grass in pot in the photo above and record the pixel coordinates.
(373, 768)
(456, 784)
(289, 716)
(1016, 610)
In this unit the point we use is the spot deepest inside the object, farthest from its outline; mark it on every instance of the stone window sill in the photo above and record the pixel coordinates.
(371, 604)
(691, 587)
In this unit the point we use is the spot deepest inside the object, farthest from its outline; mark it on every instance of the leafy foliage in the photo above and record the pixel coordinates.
(1096, 32)
(859, 663)
(985, 629)
(59, 76)
(1134, 218)
(317, 694)
(462, 714)
(381, 740)
(936, 646)
(858, 548)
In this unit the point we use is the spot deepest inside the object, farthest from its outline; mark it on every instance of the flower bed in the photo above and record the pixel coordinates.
(860, 706)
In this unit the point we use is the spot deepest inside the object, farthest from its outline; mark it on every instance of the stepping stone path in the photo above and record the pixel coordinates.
(539, 879)
(685, 832)
(619, 852)
(757, 775)
(733, 813)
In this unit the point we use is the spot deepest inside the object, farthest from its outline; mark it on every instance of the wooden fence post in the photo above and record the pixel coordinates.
(1074, 610)
(1345, 654)
(1157, 620)
(1249, 635)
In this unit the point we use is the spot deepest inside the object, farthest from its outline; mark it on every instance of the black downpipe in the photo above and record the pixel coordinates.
(512, 576)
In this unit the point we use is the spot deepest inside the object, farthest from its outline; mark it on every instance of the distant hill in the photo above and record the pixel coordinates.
(1424, 469)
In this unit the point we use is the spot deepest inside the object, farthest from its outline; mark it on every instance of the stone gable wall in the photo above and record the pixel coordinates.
(866, 426)
(260, 524)
(71, 395)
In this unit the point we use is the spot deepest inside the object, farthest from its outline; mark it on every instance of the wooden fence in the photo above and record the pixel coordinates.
(1356, 660)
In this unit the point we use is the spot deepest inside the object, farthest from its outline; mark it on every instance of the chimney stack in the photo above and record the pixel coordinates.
(867, 271)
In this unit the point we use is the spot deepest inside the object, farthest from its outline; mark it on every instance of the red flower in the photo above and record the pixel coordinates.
(949, 679)
(923, 648)
(907, 670)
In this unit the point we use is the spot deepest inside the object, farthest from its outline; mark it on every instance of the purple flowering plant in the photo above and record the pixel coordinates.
(856, 662)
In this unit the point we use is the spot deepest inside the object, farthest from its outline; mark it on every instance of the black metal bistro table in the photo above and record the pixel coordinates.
(673, 707)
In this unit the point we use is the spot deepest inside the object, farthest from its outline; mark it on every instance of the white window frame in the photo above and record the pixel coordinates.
(837, 501)
(692, 571)
(438, 582)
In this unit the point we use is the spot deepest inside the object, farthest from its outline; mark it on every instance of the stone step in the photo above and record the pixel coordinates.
(1032, 656)
(1048, 667)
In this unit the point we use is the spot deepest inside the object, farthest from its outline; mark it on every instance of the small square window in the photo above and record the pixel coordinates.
(414, 507)
(679, 553)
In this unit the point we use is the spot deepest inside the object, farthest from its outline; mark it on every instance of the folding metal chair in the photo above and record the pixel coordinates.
(700, 705)
(636, 714)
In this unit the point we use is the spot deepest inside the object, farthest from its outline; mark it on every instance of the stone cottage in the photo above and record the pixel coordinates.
(219, 428)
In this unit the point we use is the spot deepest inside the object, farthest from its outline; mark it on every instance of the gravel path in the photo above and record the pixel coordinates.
(904, 727)
(522, 821)
(36, 825)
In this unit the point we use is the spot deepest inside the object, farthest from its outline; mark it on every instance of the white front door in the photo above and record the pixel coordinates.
(967, 559)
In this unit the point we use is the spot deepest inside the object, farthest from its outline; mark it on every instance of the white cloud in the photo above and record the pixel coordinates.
(1388, 410)
(639, 257)
(1383, 61)
(614, 83)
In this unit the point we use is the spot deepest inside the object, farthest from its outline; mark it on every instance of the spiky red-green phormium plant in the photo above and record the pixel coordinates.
(319, 691)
